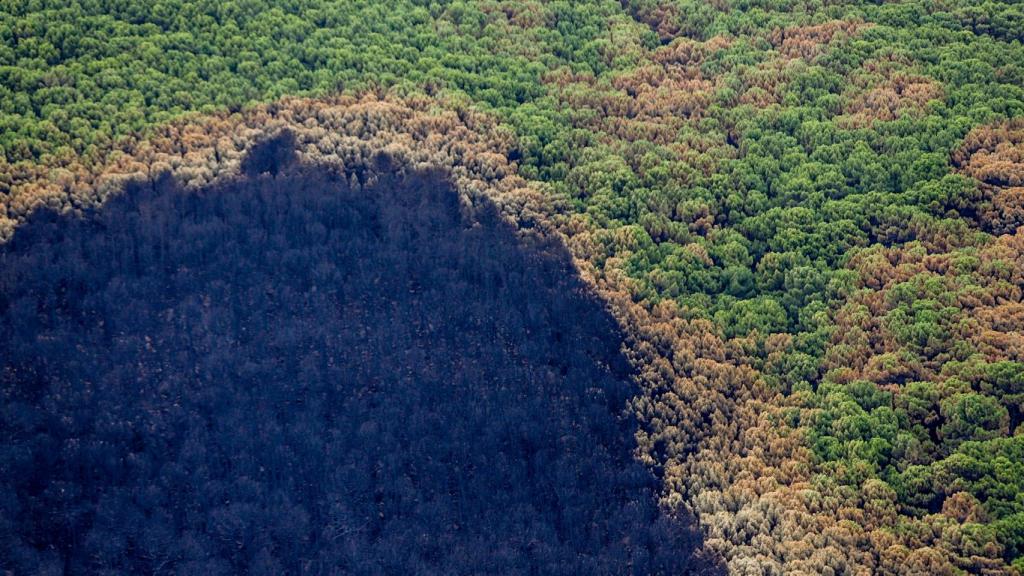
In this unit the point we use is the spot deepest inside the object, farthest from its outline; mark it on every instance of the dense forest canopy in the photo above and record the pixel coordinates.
(805, 215)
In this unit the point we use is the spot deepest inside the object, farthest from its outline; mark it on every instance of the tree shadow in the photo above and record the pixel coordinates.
(287, 373)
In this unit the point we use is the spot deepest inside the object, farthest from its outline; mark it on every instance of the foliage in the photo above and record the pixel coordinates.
(807, 215)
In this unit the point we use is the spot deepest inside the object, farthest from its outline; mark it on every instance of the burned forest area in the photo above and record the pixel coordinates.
(299, 372)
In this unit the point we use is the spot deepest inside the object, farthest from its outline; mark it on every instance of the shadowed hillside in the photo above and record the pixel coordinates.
(306, 372)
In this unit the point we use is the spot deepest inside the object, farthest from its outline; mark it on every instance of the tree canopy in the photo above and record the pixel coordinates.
(805, 216)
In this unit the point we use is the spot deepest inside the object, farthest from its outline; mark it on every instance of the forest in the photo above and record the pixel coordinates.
(752, 271)
(289, 374)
